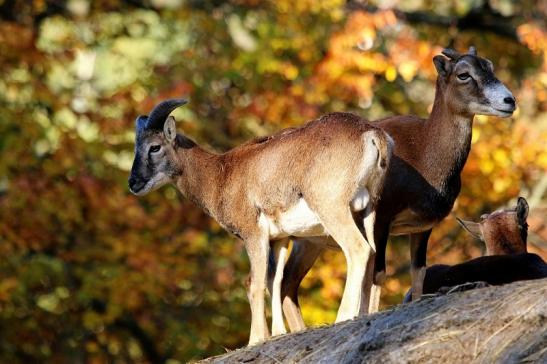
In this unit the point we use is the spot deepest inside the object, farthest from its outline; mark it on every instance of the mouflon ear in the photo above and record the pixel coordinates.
(443, 65)
(170, 129)
(451, 53)
(472, 227)
(522, 210)
(472, 51)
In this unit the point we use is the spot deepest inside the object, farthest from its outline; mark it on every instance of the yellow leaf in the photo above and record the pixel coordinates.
(408, 70)
(391, 74)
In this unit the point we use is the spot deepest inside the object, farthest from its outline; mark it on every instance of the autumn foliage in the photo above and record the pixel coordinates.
(91, 273)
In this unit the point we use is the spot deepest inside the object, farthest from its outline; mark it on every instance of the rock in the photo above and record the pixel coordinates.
(504, 324)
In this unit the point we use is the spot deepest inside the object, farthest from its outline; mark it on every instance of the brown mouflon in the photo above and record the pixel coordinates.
(423, 178)
(504, 233)
(302, 182)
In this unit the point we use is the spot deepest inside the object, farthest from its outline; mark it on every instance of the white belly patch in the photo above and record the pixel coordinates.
(298, 221)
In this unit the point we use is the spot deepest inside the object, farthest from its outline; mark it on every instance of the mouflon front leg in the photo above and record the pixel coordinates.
(258, 249)
(418, 252)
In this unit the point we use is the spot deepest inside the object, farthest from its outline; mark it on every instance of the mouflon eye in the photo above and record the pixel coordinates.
(464, 76)
(154, 149)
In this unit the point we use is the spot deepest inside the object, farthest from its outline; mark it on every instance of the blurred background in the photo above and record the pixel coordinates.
(92, 274)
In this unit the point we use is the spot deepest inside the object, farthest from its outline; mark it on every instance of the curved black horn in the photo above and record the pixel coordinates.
(472, 51)
(451, 53)
(162, 110)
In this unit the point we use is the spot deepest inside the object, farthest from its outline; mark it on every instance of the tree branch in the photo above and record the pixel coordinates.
(482, 18)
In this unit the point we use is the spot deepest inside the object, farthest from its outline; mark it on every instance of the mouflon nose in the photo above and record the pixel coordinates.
(509, 101)
(135, 184)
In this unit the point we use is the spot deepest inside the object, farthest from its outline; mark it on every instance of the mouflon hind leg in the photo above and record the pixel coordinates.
(280, 253)
(301, 259)
(339, 223)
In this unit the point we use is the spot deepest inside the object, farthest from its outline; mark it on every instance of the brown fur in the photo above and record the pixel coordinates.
(327, 149)
(503, 232)
(503, 241)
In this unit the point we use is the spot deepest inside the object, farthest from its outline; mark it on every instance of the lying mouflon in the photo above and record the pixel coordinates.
(504, 234)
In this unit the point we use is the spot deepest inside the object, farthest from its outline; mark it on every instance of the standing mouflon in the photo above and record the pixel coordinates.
(423, 178)
(303, 182)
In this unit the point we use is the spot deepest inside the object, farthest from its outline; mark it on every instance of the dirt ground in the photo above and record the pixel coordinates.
(506, 324)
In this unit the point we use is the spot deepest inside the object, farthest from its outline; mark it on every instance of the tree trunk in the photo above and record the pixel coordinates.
(506, 324)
